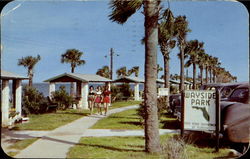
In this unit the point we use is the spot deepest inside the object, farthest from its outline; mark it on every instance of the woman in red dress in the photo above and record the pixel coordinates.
(106, 99)
(98, 99)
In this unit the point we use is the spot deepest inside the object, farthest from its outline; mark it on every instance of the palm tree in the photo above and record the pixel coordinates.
(72, 56)
(159, 69)
(174, 77)
(104, 72)
(166, 34)
(122, 72)
(134, 70)
(201, 64)
(29, 62)
(193, 48)
(210, 65)
(121, 11)
(215, 65)
(207, 65)
(182, 29)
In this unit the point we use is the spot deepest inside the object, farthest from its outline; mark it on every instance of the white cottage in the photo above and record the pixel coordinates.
(82, 84)
(6, 77)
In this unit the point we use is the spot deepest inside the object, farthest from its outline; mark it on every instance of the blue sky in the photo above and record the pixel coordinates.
(49, 28)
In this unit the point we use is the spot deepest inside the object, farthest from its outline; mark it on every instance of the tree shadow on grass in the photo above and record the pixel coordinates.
(171, 124)
(121, 117)
(136, 123)
(111, 148)
(73, 113)
(201, 139)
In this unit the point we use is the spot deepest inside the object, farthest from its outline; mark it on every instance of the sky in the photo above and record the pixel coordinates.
(50, 27)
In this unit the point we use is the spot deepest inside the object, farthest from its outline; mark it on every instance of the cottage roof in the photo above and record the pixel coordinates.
(77, 77)
(10, 75)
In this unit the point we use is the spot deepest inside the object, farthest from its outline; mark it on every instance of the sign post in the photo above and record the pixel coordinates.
(201, 112)
(217, 121)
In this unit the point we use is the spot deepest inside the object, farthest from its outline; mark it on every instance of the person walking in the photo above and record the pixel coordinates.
(98, 99)
(106, 99)
(91, 98)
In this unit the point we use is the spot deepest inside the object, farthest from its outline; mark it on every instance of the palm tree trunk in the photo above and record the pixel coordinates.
(182, 78)
(214, 76)
(166, 78)
(30, 74)
(206, 74)
(201, 72)
(152, 139)
(72, 83)
(210, 75)
(194, 76)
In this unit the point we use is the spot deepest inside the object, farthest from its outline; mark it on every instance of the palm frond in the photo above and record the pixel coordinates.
(123, 9)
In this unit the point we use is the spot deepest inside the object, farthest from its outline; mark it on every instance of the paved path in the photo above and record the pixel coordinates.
(57, 142)
(121, 132)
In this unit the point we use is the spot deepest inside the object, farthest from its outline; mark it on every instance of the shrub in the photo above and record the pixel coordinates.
(174, 148)
(161, 105)
(173, 89)
(62, 98)
(33, 101)
(119, 92)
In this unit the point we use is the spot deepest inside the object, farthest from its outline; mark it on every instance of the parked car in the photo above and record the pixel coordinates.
(235, 117)
(174, 100)
(225, 90)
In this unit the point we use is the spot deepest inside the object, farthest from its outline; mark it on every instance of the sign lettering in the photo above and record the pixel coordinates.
(199, 106)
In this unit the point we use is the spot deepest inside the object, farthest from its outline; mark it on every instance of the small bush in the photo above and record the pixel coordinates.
(174, 148)
(121, 92)
(161, 105)
(33, 101)
(62, 98)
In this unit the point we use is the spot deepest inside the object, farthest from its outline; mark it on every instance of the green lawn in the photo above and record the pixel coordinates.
(20, 145)
(124, 103)
(133, 147)
(50, 121)
(130, 120)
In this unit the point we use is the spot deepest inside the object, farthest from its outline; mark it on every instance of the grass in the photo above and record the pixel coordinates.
(131, 147)
(125, 119)
(124, 103)
(50, 121)
(130, 120)
(20, 145)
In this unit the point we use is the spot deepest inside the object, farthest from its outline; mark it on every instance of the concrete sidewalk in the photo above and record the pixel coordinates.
(56, 143)
(121, 132)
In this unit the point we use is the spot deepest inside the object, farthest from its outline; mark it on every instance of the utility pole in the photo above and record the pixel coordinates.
(111, 62)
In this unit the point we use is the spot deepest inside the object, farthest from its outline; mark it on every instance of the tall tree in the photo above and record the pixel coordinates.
(193, 48)
(166, 41)
(210, 66)
(201, 64)
(182, 29)
(159, 69)
(207, 64)
(121, 11)
(134, 70)
(215, 65)
(122, 72)
(72, 56)
(104, 72)
(29, 62)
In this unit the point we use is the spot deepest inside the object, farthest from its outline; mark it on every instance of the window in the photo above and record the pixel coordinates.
(241, 93)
